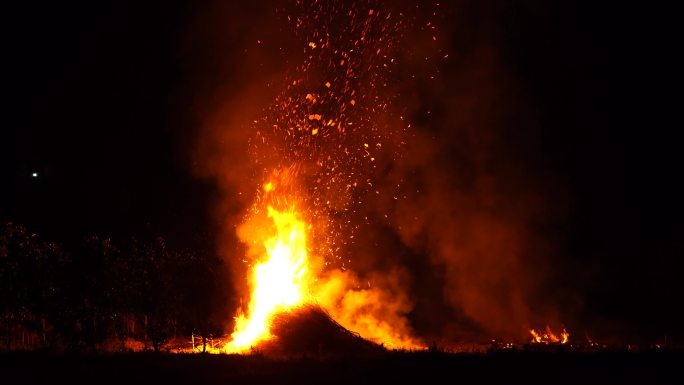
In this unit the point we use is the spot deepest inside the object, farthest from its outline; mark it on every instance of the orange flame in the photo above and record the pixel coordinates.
(287, 276)
(280, 282)
(547, 336)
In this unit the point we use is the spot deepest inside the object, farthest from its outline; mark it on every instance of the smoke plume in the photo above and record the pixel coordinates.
(441, 218)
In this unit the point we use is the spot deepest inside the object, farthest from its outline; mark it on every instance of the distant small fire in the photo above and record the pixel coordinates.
(547, 336)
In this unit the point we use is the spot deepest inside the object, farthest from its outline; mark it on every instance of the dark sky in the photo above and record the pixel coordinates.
(92, 93)
(95, 96)
(603, 77)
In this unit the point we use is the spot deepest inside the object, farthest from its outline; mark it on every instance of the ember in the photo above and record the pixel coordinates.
(312, 149)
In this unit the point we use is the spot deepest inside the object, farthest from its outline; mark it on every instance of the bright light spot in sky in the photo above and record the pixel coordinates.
(35, 175)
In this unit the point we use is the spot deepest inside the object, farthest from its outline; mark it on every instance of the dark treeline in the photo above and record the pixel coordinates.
(104, 294)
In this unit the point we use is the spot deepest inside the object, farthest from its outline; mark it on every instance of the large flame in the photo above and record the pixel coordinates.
(279, 282)
(286, 275)
(322, 138)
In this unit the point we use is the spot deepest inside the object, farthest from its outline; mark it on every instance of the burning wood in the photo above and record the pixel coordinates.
(310, 330)
(288, 277)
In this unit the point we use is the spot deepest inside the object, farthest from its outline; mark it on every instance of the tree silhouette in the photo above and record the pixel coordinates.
(101, 292)
(203, 300)
(29, 286)
(158, 298)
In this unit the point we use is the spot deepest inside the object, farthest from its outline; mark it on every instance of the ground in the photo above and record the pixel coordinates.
(654, 367)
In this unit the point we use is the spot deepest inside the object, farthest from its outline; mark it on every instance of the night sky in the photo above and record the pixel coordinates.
(100, 103)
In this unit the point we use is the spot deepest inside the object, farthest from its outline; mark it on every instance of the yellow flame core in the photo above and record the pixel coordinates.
(278, 283)
(286, 275)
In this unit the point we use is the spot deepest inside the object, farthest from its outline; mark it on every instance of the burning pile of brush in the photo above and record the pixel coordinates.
(314, 158)
(310, 330)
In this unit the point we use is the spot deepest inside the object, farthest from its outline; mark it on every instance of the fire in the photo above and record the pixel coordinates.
(317, 148)
(547, 336)
(287, 273)
(280, 282)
